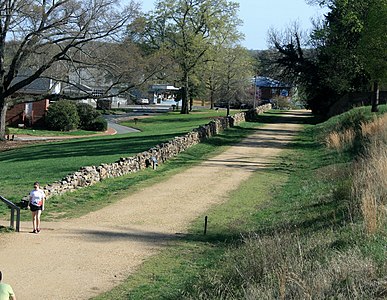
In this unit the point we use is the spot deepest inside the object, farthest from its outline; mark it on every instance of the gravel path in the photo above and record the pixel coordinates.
(81, 258)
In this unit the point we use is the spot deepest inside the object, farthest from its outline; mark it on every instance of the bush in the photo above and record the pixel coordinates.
(99, 124)
(87, 115)
(282, 102)
(62, 116)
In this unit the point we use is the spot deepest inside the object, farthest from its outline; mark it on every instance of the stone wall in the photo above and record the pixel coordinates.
(87, 176)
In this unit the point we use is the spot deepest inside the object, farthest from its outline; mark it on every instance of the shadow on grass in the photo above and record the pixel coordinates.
(91, 147)
(322, 216)
(290, 117)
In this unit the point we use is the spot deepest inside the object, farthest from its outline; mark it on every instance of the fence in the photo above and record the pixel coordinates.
(13, 207)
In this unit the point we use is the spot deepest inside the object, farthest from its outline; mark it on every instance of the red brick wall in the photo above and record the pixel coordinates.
(16, 114)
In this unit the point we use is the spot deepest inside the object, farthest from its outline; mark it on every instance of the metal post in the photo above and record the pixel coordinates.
(18, 220)
(13, 207)
(205, 224)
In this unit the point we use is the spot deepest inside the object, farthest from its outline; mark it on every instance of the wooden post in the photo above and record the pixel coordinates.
(205, 224)
(12, 222)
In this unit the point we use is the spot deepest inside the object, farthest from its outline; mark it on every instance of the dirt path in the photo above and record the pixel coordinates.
(84, 257)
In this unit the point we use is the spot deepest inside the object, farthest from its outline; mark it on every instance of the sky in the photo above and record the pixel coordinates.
(259, 16)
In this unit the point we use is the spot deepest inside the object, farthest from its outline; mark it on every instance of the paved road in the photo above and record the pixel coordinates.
(121, 129)
(113, 128)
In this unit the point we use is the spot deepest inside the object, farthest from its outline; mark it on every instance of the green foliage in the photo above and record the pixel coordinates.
(87, 116)
(62, 116)
(188, 31)
(373, 42)
(98, 124)
(349, 51)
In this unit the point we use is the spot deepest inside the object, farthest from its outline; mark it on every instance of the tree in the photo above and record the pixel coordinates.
(41, 38)
(231, 77)
(297, 63)
(336, 66)
(187, 30)
(373, 45)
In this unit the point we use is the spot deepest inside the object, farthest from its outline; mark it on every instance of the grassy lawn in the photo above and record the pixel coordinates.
(288, 232)
(40, 132)
(52, 161)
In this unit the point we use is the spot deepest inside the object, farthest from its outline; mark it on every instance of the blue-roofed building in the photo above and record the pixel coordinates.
(269, 88)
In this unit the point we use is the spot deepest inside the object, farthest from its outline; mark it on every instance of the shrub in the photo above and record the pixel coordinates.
(62, 115)
(87, 115)
(99, 124)
(282, 102)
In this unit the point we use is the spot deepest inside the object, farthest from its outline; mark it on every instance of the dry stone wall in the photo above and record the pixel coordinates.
(87, 176)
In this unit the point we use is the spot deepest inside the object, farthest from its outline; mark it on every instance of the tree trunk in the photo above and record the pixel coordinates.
(3, 115)
(212, 99)
(190, 102)
(375, 97)
(185, 95)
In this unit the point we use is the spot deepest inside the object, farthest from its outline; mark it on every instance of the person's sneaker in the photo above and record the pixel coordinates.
(34, 231)
(38, 230)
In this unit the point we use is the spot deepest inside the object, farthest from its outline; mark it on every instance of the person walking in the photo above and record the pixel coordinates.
(36, 203)
(6, 292)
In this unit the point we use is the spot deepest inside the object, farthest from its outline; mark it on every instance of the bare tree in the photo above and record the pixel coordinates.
(41, 38)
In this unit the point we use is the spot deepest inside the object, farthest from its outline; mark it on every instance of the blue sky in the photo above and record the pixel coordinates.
(260, 15)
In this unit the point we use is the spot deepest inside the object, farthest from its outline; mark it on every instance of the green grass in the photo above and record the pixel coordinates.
(41, 132)
(173, 123)
(52, 161)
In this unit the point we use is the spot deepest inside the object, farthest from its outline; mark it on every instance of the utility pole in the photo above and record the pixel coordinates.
(255, 92)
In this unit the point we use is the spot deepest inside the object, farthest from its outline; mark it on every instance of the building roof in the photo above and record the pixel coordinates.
(164, 87)
(262, 81)
(37, 87)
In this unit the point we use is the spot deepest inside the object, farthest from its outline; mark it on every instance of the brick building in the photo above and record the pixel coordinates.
(268, 88)
(31, 112)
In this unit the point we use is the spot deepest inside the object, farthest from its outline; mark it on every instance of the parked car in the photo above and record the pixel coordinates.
(142, 101)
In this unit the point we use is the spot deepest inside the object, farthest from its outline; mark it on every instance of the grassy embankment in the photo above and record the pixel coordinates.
(311, 227)
(49, 162)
